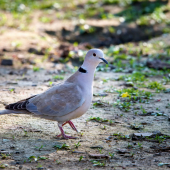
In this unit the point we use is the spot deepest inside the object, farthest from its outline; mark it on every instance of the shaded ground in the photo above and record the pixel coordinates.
(128, 122)
(23, 136)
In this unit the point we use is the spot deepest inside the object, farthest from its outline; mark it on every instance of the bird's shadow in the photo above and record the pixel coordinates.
(21, 150)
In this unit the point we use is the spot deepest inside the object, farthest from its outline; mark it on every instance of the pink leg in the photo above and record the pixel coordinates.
(63, 134)
(71, 124)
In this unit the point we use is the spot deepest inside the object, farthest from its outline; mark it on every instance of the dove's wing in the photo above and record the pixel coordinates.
(57, 101)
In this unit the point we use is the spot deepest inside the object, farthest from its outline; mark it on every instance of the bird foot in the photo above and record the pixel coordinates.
(66, 137)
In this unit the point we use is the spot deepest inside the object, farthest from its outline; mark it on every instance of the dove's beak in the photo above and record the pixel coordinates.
(104, 60)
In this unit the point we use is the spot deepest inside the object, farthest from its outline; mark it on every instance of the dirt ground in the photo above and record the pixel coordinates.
(27, 142)
(23, 136)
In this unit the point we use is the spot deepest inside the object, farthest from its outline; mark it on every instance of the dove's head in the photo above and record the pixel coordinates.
(94, 57)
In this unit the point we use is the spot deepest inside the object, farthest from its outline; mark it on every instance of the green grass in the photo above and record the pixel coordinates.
(135, 93)
(158, 138)
(98, 119)
(45, 19)
(77, 144)
(134, 77)
(94, 9)
(121, 136)
(64, 146)
(129, 97)
(156, 85)
(58, 77)
(24, 5)
(36, 69)
(98, 163)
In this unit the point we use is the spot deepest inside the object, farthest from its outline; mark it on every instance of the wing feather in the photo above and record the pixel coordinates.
(57, 101)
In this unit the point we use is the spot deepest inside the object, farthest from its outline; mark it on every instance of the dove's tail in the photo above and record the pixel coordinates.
(4, 112)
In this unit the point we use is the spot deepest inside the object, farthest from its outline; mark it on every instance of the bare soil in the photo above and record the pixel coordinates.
(21, 136)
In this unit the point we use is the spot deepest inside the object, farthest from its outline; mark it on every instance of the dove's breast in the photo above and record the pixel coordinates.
(79, 111)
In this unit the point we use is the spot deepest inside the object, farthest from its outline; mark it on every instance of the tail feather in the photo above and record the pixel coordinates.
(4, 112)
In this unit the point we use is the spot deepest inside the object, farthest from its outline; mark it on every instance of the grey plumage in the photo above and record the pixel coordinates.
(64, 101)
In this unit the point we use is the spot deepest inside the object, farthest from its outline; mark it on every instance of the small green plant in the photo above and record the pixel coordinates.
(110, 122)
(11, 90)
(2, 166)
(57, 77)
(81, 157)
(100, 103)
(168, 105)
(98, 163)
(144, 111)
(166, 80)
(31, 158)
(136, 113)
(135, 77)
(4, 156)
(100, 150)
(42, 158)
(121, 136)
(155, 85)
(58, 162)
(104, 80)
(158, 138)
(64, 146)
(140, 145)
(81, 133)
(45, 19)
(36, 69)
(25, 132)
(34, 158)
(16, 44)
(50, 83)
(39, 148)
(39, 165)
(132, 154)
(125, 106)
(129, 146)
(77, 145)
(111, 154)
(134, 95)
(98, 119)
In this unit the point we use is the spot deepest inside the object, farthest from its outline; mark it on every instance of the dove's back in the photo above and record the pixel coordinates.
(57, 101)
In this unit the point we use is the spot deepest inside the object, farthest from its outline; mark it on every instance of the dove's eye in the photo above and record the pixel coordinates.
(94, 54)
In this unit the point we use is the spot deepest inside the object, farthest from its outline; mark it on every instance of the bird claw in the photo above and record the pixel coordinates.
(66, 137)
(69, 137)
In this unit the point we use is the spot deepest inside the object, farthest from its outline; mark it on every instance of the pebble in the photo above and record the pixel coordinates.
(156, 160)
(5, 140)
(7, 62)
(157, 154)
(20, 167)
(96, 147)
(40, 168)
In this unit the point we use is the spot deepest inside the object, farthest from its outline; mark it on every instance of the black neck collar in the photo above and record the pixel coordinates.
(82, 70)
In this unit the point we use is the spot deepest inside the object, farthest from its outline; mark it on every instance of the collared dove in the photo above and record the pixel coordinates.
(65, 101)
